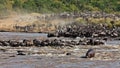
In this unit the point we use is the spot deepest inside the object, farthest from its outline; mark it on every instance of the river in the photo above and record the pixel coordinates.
(19, 35)
(22, 35)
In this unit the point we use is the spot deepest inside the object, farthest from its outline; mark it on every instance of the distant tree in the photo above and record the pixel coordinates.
(44, 6)
(30, 5)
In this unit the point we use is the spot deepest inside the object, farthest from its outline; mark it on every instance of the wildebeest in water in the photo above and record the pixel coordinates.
(89, 54)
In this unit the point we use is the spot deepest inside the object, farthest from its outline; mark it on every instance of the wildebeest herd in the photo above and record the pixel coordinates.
(76, 33)
(90, 34)
(86, 16)
(86, 30)
(49, 42)
(73, 34)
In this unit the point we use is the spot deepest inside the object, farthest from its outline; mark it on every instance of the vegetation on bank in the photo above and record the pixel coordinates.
(13, 8)
(48, 6)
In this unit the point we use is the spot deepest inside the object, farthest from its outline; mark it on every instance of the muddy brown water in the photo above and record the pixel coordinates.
(113, 42)
(107, 56)
(49, 57)
(19, 35)
(48, 62)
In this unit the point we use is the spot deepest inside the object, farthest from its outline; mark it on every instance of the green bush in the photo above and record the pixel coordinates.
(61, 5)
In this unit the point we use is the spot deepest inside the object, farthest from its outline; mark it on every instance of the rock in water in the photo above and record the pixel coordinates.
(68, 53)
(20, 52)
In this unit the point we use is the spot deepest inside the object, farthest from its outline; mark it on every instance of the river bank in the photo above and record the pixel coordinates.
(36, 22)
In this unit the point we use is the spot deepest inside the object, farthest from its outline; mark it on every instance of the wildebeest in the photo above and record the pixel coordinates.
(37, 42)
(90, 53)
(4, 43)
(13, 43)
(27, 42)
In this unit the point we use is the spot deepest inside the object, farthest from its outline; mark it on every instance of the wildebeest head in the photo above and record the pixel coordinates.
(90, 53)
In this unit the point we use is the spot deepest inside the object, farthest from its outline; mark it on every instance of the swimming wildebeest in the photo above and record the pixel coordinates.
(37, 42)
(90, 53)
